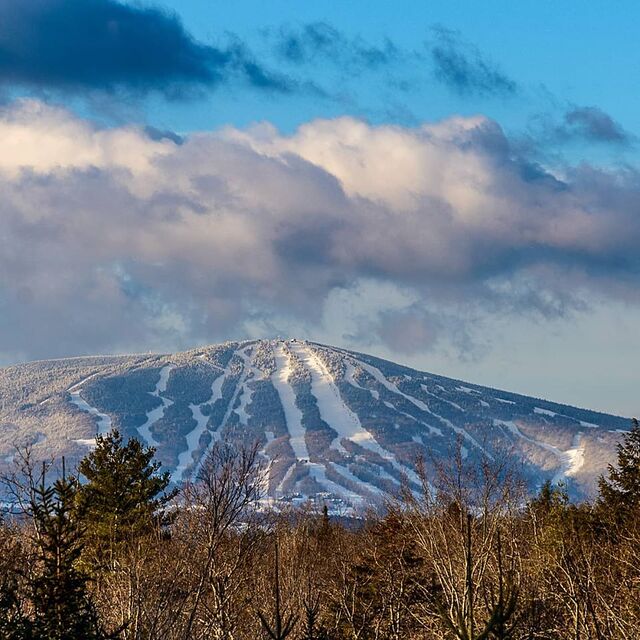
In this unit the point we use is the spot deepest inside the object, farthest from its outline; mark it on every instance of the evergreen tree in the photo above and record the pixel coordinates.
(551, 501)
(123, 495)
(620, 491)
(62, 608)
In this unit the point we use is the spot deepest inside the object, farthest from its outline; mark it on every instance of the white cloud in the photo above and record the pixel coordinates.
(47, 139)
(111, 239)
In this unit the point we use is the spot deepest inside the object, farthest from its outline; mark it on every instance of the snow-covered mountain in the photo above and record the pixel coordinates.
(327, 420)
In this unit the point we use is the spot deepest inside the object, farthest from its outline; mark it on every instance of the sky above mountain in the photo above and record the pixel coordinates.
(450, 185)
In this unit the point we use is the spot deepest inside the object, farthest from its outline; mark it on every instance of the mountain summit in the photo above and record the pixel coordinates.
(328, 421)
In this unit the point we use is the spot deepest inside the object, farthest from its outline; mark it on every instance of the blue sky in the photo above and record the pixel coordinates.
(558, 53)
(453, 185)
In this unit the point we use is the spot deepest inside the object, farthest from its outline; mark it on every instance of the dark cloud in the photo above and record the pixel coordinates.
(162, 134)
(322, 42)
(80, 45)
(594, 125)
(462, 68)
(549, 133)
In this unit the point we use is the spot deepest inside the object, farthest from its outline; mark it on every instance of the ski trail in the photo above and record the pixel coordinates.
(77, 385)
(90, 443)
(332, 409)
(185, 459)
(437, 397)
(344, 472)
(245, 396)
(103, 422)
(240, 386)
(349, 376)
(337, 414)
(379, 377)
(432, 430)
(245, 393)
(293, 415)
(155, 414)
(216, 393)
(553, 414)
(575, 456)
(265, 479)
(285, 478)
(571, 460)
(318, 472)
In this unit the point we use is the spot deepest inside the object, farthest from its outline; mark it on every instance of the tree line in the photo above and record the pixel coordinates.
(110, 551)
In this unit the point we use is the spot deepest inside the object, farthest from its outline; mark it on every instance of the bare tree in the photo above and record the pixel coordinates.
(217, 532)
(282, 624)
(458, 526)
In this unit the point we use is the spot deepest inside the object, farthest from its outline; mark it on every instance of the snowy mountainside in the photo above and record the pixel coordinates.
(329, 422)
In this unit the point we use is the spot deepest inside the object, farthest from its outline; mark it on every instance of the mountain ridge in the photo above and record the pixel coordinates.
(328, 421)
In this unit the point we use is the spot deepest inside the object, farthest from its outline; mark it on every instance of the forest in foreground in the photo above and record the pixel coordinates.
(108, 550)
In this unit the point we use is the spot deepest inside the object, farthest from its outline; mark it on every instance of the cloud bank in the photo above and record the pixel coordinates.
(117, 238)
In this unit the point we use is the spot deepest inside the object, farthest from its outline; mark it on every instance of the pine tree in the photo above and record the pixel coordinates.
(620, 491)
(551, 501)
(123, 495)
(62, 608)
